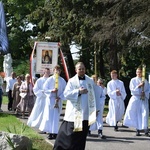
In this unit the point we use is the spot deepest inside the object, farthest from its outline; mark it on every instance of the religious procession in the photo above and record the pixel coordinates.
(78, 90)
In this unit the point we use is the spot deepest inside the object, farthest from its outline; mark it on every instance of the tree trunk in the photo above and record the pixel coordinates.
(69, 60)
(101, 64)
(113, 59)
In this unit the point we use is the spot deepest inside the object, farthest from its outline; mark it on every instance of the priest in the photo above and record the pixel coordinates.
(80, 111)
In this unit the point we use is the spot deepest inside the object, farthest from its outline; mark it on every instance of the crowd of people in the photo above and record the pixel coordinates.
(20, 94)
(85, 100)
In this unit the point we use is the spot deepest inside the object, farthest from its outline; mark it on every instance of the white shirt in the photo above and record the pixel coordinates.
(10, 83)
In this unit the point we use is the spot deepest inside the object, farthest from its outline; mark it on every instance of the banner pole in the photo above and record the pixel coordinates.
(64, 65)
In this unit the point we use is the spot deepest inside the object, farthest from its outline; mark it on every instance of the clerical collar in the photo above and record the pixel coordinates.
(82, 78)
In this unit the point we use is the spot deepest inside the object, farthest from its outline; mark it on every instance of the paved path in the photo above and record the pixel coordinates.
(124, 139)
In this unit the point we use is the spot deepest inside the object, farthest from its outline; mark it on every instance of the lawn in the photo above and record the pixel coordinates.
(11, 123)
(5, 100)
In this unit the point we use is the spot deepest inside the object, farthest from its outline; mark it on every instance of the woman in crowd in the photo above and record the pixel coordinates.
(27, 96)
(16, 92)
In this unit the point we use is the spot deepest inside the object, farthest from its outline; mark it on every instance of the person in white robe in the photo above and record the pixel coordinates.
(116, 92)
(80, 111)
(100, 82)
(137, 111)
(53, 106)
(37, 112)
(98, 125)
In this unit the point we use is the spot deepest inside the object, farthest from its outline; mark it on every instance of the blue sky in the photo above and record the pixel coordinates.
(74, 50)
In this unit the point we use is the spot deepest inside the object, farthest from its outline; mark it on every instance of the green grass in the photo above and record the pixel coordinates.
(5, 100)
(11, 123)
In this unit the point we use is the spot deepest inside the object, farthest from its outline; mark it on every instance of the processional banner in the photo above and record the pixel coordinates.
(3, 31)
(44, 55)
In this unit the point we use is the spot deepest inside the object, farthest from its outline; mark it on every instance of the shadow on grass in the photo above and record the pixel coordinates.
(4, 115)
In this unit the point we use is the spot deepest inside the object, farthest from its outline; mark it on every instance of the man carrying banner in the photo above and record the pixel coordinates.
(53, 88)
(80, 111)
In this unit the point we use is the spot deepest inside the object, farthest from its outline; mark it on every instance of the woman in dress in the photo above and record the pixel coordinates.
(16, 92)
(27, 96)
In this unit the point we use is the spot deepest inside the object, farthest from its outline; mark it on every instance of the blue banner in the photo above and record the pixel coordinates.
(3, 31)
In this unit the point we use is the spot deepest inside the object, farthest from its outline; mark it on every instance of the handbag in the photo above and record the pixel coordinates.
(23, 95)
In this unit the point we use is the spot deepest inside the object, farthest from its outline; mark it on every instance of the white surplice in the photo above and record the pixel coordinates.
(37, 112)
(100, 96)
(51, 115)
(72, 95)
(137, 111)
(116, 103)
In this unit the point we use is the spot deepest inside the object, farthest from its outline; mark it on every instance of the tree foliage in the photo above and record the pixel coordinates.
(116, 31)
(121, 28)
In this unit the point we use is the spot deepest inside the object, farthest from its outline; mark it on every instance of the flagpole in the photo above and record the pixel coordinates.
(64, 65)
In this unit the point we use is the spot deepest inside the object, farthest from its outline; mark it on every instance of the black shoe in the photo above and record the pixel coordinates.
(89, 133)
(124, 126)
(100, 134)
(9, 109)
(50, 136)
(41, 132)
(116, 128)
(138, 133)
(54, 136)
(147, 134)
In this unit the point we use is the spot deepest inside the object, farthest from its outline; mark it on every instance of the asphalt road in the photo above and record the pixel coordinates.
(123, 139)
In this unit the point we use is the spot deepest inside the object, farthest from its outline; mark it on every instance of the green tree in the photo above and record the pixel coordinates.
(119, 29)
(19, 30)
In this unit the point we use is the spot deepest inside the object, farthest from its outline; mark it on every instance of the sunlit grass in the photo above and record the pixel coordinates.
(5, 100)
(14, 125)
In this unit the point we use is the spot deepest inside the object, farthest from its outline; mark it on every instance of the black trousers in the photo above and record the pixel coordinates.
(10, 100)
(69, 140)
(1, 93)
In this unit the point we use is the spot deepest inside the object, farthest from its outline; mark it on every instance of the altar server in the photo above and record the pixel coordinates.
(37, 112)
(116, 92)
(137, 110)
(98, 125)
(53, 88)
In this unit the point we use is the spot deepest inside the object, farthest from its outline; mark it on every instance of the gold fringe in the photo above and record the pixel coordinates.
(77, 129)
(90, 123)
